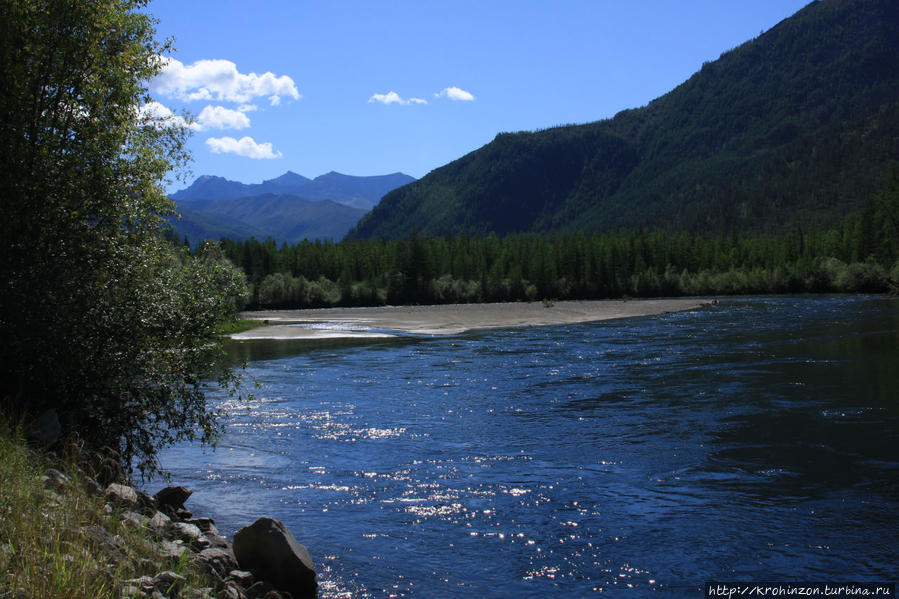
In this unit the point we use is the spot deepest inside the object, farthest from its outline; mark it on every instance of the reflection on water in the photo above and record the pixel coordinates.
(755, 439)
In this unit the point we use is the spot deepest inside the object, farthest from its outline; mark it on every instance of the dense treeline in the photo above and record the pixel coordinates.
(861, 255)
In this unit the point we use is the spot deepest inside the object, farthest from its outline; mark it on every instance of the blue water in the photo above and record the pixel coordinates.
(754, 439)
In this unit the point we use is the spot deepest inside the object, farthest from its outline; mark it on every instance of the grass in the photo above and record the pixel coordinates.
(238, 326)
(67, 542)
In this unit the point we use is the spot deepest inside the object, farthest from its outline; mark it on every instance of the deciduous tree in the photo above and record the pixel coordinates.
(101, 318)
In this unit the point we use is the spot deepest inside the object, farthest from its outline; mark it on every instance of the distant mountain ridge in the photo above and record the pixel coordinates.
(795, 127)
(289, 208)
(358, 192)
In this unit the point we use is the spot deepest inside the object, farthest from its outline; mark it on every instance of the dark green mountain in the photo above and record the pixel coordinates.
(797, 126)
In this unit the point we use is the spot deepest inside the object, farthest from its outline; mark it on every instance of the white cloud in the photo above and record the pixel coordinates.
(160, 116)
(388, 98)
(219, 80)
(219, 117)
(245, 146)
(247, 108)
(454, 93)
(394, 98)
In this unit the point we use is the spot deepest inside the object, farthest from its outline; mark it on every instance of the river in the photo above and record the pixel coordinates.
(756, 439)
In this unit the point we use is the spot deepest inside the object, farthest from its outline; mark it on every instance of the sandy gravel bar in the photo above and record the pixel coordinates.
(389, 321)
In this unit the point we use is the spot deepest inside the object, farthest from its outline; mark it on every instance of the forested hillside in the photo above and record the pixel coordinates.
(860, 254)
(795, 127)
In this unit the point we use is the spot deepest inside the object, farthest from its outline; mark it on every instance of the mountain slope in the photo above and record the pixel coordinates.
(795, 126)
(359, 192)
(288, 208)
(283, 217)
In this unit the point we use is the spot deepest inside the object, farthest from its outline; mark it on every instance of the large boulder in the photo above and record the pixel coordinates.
(173, 497)
(270, 550)
(123, 495)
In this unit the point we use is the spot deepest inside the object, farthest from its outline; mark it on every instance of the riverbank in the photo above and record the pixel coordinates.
(447, 319)
(62, 534)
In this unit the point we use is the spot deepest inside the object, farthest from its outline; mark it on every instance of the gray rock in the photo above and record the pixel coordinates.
(171, 550)
(159, 524)
(148, 505)
(241, 577)
(183, 514)
(267, 548)
(122, 495)
(218, 541)
(218, 561)
(173, 497)
(188, 533)
(201, 543)
(232, 591)
(168, 581)
(135, 519)
(55, 480)
(144, 583)
(46, 429)
(207, 525)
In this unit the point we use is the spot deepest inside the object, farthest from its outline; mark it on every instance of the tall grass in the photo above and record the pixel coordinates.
(63, 541)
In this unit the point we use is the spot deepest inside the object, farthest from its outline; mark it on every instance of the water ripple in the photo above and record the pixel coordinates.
(755, 439)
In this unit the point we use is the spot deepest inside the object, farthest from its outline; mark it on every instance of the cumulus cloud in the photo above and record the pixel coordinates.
(454, 93)
(219, 80)
(244, 146)
(219, 117)
(394, 98)
(161, 116)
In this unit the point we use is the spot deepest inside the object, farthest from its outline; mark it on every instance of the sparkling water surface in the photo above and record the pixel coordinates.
(753, 439)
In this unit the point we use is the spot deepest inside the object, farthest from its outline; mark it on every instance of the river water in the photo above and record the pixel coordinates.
(753, 439)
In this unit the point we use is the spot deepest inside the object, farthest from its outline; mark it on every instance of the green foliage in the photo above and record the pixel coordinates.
(101, 318)
(797, 125)
(855, 256)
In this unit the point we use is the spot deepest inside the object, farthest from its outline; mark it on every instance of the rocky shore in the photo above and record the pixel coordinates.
(263, 561)
(97, 529)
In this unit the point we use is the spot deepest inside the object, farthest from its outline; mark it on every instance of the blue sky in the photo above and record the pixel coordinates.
(371, 87)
